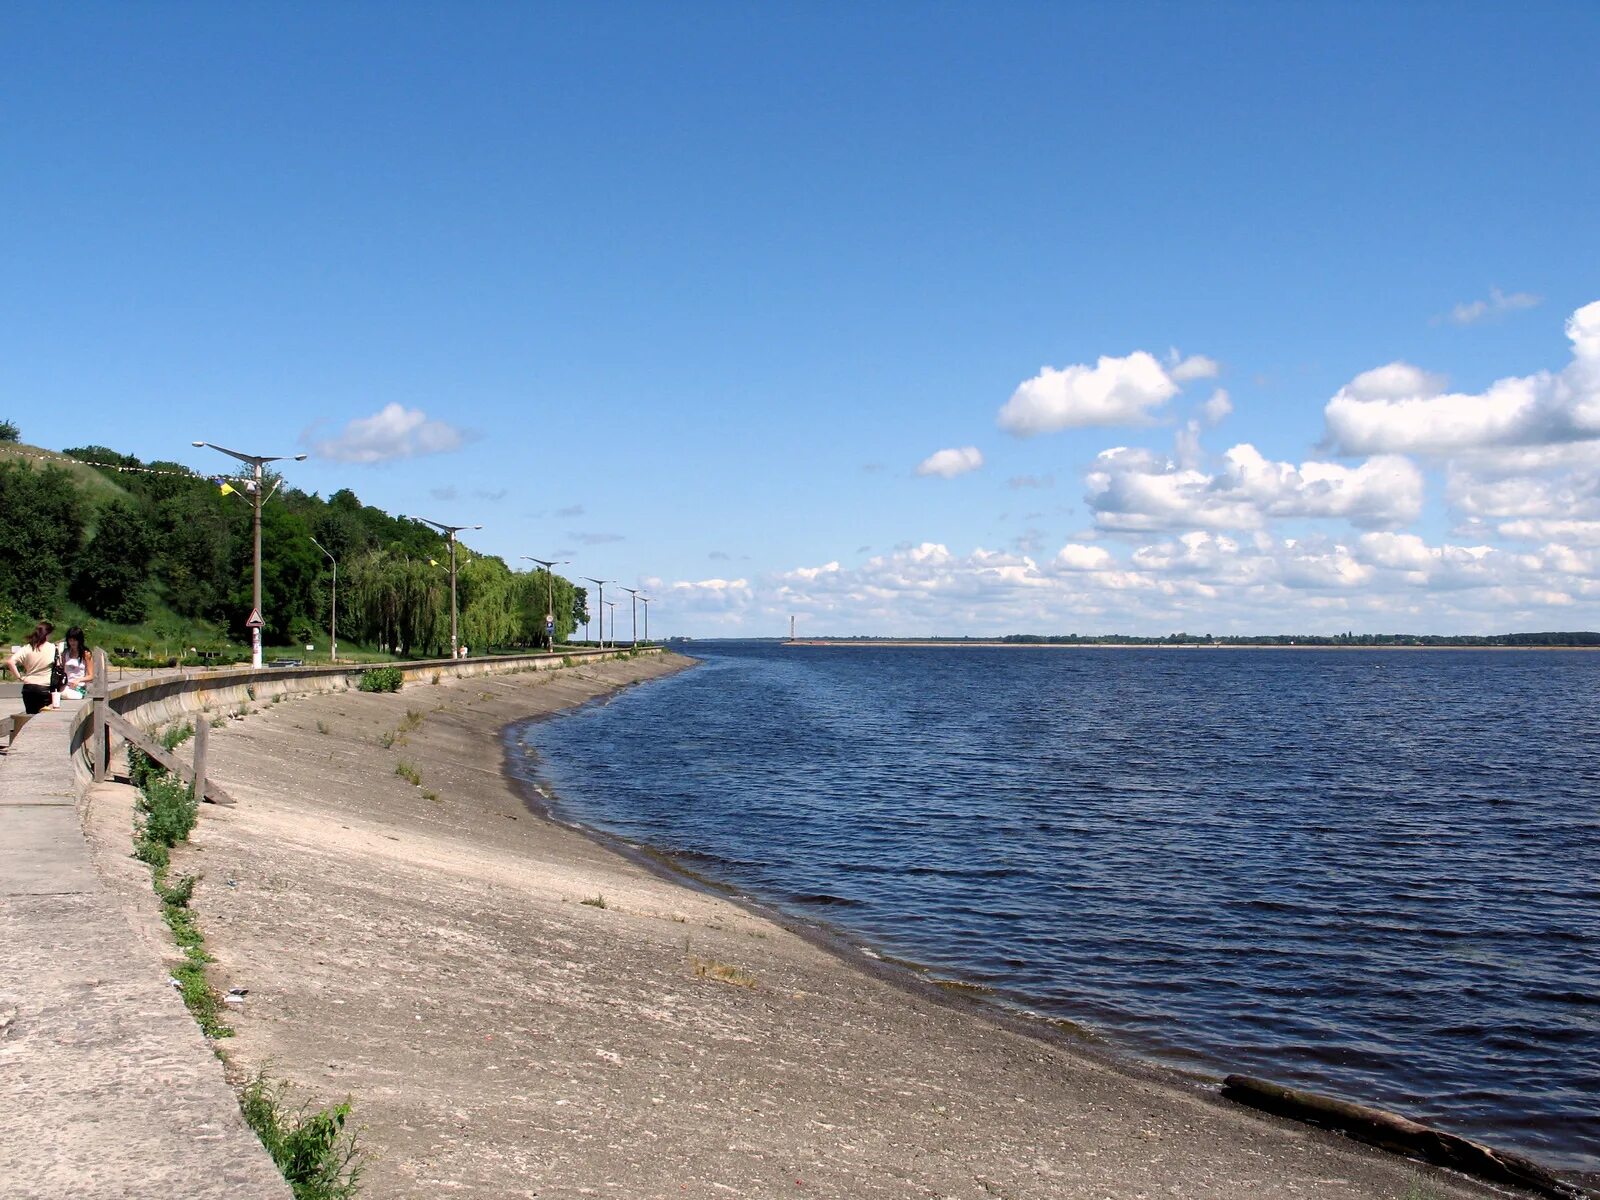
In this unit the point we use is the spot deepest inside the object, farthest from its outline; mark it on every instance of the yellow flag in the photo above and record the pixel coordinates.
(433, 562)
(227, 489)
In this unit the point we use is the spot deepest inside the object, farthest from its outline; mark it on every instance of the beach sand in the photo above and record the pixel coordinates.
(434, 960)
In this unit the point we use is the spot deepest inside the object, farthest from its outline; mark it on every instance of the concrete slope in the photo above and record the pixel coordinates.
(107, 1088)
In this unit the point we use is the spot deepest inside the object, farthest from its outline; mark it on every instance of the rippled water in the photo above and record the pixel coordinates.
(1375, 873)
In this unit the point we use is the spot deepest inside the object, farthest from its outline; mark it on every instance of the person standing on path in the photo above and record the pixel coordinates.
(32, 666)
(77, 664)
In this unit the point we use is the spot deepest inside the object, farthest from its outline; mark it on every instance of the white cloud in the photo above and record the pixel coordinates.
(1497, 305)
(1115, 391)
(1075, 556)
(1577, 533)
(1196, 366)
(1136, 490)
(947, 464)
(1217, 407)
(393, 432)
(1196, 580)
(1400, 408)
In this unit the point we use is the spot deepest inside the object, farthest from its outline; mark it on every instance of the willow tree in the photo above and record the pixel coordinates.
(395, 601)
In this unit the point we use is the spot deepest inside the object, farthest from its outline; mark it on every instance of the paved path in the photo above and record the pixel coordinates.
(107, 1088)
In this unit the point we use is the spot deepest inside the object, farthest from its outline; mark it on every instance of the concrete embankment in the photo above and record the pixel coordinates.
(517, 1010)
(107, 1088)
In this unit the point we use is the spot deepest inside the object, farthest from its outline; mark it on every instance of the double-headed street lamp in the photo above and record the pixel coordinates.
(549, 565)
(253, 485)
(612, 605)
(600, 600)
(333, 615)
(634, 592)
(449, 532)
(645, 600)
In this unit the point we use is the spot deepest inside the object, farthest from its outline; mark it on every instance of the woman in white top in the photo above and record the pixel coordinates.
(77, 663)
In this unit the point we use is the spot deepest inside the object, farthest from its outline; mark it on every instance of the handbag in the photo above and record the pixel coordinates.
(58, 674)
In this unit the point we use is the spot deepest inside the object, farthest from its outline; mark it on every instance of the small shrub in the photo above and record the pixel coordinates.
(436, 679)
(413, 718)
(380, 679)
(168, 810)
(316, 1151)
(141, 767)
(409, 773)
(566, 660)
(386, 738)
(322, 727)
(434, 796)
(595, 902)
(177, 735)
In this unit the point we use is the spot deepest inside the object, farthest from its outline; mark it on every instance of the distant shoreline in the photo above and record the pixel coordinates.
(910, 643)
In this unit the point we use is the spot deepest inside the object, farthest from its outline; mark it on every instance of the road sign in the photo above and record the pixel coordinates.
(254, 621)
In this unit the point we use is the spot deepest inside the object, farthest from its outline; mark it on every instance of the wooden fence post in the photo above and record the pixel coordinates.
(100, 736)
(202, 738)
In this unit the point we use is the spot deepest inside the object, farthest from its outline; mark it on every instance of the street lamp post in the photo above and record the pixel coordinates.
(449, 532)
(600, 600)
(612, 605)
(634, 592)
(645, 600)
(549, 565)
(256, 462)
(333, 615)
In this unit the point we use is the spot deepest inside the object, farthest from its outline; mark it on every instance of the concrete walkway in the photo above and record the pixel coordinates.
(107, 1088)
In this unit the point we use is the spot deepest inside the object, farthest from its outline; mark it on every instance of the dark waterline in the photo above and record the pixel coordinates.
(1373, 873)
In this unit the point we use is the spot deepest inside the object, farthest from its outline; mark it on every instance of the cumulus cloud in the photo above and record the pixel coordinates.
(1115, 391)
(1194, 580)
(947, 464)
(1497, 305)
(1400, 408)
(1140, 491)
(393, 432)
(1217, 407)
(1196, 366)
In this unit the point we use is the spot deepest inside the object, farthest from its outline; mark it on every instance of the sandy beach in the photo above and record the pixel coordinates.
(517, 1010)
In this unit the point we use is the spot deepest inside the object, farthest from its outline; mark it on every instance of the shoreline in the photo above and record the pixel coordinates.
(1154, 1061)
(518, 1009)
(912, 643)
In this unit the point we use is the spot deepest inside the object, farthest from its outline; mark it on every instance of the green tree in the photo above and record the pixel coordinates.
(9, 432)
(115, 567)
(41, 531)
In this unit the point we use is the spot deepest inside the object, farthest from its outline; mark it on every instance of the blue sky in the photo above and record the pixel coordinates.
(689, 293)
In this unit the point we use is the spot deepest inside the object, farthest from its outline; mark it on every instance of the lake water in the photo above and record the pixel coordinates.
(1375, 873)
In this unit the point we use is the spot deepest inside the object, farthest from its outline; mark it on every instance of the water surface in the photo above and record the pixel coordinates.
(1375, 873)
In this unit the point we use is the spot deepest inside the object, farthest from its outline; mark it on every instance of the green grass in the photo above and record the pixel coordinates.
(409, 773)
(164, 816)
(595, 902)
(316, 1150)
(413, 718)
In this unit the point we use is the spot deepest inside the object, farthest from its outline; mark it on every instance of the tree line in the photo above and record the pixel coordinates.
(125, 541)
